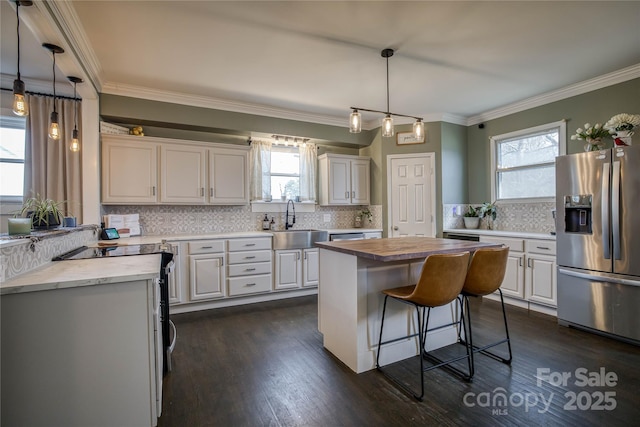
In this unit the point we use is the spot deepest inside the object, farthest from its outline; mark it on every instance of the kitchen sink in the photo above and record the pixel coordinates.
(298, 239)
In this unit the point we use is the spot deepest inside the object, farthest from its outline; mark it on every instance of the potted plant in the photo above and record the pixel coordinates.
(488, 211)
(471, 218)
(44, 213)
(361, 215)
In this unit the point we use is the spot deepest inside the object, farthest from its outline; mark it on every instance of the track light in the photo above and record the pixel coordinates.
(54, 126)
(355, 119)
(20, 106)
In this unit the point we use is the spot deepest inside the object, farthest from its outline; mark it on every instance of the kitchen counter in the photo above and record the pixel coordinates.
(351, 230)
(401, 248)
(85, 272)
(500, 233)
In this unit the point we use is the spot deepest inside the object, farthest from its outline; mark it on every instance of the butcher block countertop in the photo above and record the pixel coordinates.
(402, 248)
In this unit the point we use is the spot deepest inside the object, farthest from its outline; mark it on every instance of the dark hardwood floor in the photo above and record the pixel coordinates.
(264, 365)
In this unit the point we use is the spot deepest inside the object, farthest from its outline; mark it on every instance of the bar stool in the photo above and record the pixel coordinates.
(440, 283)
(484, 276)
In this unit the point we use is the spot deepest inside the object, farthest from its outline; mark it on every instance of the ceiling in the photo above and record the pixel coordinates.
(453, 59)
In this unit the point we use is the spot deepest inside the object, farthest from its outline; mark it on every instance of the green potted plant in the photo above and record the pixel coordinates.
(44, 213)
(488, 211)
(471, 218)
(361, 215)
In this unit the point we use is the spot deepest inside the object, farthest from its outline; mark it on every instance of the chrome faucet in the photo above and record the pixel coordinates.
(286, 218)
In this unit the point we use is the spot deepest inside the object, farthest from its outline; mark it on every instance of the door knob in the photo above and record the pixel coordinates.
(395, 228)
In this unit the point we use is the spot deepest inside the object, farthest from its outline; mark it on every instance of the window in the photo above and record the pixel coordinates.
(11, 157)
(285, 172)
(523, 162)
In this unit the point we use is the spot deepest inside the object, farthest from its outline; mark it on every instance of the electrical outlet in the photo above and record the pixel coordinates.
(457, 210)
(327, 218)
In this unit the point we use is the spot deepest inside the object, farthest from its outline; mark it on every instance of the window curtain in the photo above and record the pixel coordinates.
(50, 168)
(308, 162)
(260, 169)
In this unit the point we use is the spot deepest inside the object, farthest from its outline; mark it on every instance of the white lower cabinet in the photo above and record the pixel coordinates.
(206, 269)
(531, 271)
(249, 269)
(297, 268)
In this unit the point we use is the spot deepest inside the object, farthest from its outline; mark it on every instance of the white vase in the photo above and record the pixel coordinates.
(471, 221)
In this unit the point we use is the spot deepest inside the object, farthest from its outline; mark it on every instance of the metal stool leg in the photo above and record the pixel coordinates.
(507, 340)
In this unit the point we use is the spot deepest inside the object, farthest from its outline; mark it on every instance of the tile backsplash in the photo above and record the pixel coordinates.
(525, 217)
(156, 220)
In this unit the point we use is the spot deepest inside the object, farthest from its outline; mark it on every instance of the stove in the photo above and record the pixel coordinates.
(85, 252)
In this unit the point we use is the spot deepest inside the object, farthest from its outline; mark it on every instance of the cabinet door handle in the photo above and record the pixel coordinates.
(250, 244)
(250, 284)
(529, 263)
(353, 194)
(206, 247)
(346, 194)
(298, 255)
(211, 192)
(305, 255)
(520, 262)
(202, 192)
(542, 247)
(249, 269)
(153, 190)
(249, 257)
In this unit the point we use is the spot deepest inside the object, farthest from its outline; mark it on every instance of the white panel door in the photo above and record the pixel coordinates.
(228, 176)
(207, 278)
(513, 282)
(541, 279)
(182, 174)
(411, 195)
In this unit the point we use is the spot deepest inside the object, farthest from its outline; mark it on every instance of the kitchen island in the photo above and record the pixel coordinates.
(352, 275)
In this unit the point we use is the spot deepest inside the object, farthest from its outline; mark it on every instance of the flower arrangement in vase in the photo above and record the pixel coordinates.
(488, 211)
(471, 217)
(621, 127)
(593, 135)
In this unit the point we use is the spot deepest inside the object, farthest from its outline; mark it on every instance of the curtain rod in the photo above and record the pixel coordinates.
(45, 94)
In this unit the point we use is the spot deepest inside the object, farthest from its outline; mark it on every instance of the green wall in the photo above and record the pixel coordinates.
(593, 107)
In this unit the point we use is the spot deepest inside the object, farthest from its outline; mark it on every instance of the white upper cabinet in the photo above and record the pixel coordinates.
(129, 170)
(182, 174)
(148, 170)
(228, 176)
(344, 180)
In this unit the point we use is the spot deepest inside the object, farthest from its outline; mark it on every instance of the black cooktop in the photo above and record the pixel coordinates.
(85, 252)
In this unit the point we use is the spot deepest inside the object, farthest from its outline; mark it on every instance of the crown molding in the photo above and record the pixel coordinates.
(220, 104)
(66, 19)
(619, 76)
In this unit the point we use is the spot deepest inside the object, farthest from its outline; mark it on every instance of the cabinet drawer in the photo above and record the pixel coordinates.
(249, 257)
(247, 269)
(249, 285)
(515, 245)
(547, 247)
(249, 244)
(206, 246)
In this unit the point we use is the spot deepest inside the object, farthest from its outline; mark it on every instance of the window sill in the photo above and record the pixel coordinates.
(280, 206)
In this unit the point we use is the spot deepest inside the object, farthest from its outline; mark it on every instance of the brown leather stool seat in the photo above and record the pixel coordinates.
(484, 276)
(440, 283)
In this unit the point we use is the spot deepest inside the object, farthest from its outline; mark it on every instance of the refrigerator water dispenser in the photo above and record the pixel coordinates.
(577, 214)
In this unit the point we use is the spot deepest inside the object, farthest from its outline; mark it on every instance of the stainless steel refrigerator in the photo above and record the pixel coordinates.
(598, 241)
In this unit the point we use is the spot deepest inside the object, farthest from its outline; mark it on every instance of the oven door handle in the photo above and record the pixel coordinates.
(169, 267)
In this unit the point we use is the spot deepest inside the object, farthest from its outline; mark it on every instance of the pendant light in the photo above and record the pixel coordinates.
(20, 106)
(355, 120)
(54, 126)
(75, 142)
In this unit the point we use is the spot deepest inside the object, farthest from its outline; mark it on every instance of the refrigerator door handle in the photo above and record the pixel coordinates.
(615, 210)
(606, 231)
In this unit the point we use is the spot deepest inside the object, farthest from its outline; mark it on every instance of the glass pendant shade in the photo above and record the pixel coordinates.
(75, 142)
(355, 122)
(418, 129)
(54, 128)
(20, 106)
(387, 126)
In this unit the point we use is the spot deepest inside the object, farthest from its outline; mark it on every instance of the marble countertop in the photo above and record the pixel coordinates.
(401, 248)
(84, 272)
(501, 233)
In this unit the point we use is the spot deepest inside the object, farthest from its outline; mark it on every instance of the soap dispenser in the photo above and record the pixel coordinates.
(272, 224)
(265, 222)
